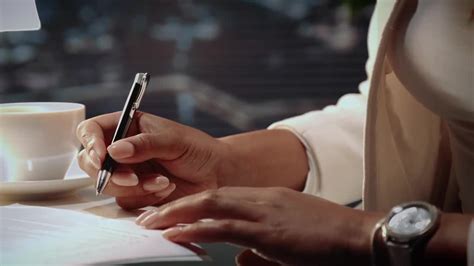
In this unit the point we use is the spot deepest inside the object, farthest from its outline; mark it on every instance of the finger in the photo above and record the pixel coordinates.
(166, 192)
(115, 190)
(236, 193)
(100, 129)
(136, 202)
(244, 233)
(98, 125)
(156, 184)
(86, 164)
(87, 130)
(122, 176)
(91, 136)
(124, 181)
(145, 146)
(125, 177)
(164, 140)
(209, 196)
(249, 258)
(209, 204)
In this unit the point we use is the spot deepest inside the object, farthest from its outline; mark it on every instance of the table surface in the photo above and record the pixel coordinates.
(85, 200)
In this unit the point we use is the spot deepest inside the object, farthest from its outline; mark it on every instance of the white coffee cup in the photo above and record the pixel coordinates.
(38, 140)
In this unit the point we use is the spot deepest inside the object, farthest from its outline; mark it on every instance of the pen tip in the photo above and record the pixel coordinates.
(102, 180)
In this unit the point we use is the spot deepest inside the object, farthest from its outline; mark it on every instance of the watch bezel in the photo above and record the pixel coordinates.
(390, 235)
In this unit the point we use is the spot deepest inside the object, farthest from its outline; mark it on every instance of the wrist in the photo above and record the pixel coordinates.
(263, 158)
(229, 167)
(448, 244)
(363, 244)
(379, 252)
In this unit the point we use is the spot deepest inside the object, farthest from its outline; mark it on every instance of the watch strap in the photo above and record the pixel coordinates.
(400, 255)
(379, 250)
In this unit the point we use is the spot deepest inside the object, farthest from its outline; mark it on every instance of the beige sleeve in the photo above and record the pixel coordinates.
(333, 138)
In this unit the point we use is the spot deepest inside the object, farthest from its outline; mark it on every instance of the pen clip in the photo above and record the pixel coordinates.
(142, 80)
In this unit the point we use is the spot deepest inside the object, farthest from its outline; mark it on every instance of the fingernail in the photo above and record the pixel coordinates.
(84, 135)
(150, 219)
(143, 216)
(90, 144)
(166, 192)
(121, 149)
(172, 232)
(126, 179)
(94, 159)
(159, 183)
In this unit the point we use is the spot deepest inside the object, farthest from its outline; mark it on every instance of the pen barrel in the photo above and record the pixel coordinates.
(109, 164)
(128, 112)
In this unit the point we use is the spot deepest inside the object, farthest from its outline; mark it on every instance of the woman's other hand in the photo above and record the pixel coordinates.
(278, 224)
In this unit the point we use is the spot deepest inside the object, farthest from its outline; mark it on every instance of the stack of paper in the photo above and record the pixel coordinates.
(39, 235)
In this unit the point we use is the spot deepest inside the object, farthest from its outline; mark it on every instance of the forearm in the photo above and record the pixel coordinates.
(264, 158)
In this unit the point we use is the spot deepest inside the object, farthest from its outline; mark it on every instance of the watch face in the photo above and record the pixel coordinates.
(410, 221)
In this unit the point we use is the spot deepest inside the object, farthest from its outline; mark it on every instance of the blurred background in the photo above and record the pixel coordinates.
(223, 66)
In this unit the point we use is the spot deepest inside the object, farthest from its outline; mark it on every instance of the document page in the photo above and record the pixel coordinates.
(40, 235)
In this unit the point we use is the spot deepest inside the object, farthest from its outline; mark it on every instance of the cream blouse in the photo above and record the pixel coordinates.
(420, 100)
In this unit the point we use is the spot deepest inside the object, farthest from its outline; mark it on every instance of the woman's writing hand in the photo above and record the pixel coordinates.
(160, 161)
(279, 224)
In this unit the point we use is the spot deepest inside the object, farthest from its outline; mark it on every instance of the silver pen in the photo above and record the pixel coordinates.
(131, 105)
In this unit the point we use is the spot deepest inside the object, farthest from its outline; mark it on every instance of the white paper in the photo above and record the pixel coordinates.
(16, 15)
(39, 235)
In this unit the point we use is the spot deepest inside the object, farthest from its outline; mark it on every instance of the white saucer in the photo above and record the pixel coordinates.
(43, 189)
(33, 190)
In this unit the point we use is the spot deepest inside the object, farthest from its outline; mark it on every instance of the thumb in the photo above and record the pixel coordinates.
(146, 146)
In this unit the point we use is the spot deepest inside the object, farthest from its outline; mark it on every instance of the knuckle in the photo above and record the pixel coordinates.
(209, 194)
(84, 163)
(274, 196)
(166, 208)
(227, 226)
(210, 199)
(180, 144)
(89, 144)
(280, 191)
(224, 190)
(176, 142)
(263, 216)
(144, 140)
(146, 120)
(191, 227)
